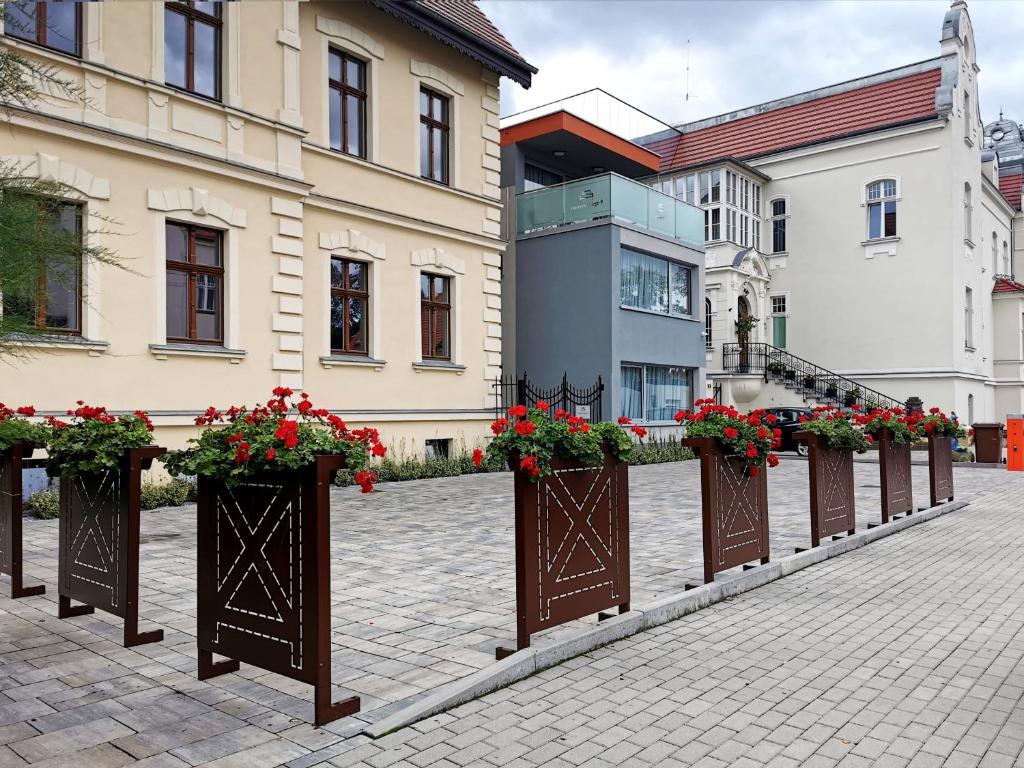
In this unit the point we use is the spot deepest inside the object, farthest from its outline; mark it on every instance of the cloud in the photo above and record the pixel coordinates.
(741, 53)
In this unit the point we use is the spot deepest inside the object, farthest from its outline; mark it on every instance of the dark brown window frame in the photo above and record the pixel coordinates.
(41, 28)
(445, 129)
(42, 295)
(432, 305)
(192, 270)
(191, 14)
(346, 89)
(345, 293)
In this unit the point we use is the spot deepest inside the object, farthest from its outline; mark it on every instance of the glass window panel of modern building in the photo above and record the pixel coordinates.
(654, 284)
(655, 393)
(53, 25)
(192, 45)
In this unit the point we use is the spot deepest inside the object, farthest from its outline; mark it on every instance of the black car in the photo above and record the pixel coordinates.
(788, 423)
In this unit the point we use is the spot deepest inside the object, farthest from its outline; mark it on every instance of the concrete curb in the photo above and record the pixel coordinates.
(522, 664)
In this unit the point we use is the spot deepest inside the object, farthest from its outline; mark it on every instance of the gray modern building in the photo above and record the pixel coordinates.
(604, 276)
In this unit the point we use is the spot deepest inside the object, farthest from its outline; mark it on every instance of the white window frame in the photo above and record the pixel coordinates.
(968, 214)
(643, 387)
(784, 199)
(866, 203)
(969, 318)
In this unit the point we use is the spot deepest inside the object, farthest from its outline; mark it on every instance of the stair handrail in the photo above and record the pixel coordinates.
(769, 353)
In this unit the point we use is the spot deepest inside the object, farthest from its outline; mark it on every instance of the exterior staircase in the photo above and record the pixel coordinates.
(816, 385)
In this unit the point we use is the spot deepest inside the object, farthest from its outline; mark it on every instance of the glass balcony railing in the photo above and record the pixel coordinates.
(613, 198)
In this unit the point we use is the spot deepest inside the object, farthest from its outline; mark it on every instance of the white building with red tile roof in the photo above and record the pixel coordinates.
(863, 227)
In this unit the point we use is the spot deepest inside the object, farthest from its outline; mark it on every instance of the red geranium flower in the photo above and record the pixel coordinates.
(542, 406)
(271, 453)
(731, 432)
(624, 420)
(518, 411)
(499, 426)
(478, 456)
(639, 431)
(525, 427)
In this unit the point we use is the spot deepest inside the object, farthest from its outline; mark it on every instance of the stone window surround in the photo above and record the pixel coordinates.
(342, 36)
(90, 192)
(212, 213)
(436, 79)
(230, 52)
(438, 261)
(352, 244)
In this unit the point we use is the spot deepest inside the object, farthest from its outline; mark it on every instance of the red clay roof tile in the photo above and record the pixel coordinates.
(1010, 187)
(467, 14)
(897, 101)
(1004, 285)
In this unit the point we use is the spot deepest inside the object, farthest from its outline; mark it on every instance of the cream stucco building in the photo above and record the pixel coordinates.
(304, 193)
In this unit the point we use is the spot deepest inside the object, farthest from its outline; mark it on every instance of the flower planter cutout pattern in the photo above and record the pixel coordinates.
(894, 467)
(572, 545)
(832, 500)
(940, 469)
(734, 507)
(12, 461)
(98, 562)
(264, 578)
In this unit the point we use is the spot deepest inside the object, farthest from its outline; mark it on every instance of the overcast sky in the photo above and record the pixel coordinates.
(742, 52)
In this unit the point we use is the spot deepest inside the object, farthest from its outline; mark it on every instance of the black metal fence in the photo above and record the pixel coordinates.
(579, 401)
(808, 379)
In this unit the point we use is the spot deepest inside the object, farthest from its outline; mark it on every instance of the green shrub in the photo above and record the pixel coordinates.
(174, 493)
(44, 504)
(656, 451)
(391, 470)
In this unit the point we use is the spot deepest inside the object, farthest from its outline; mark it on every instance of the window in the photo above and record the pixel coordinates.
(970, 409)
(881, 202)
(708, 314)
(653, 284)
(1007, 267)
(778, 226)
(744, 230)
(350, 299)
(730, 225)
(967, 115)
(435, 316)
(192, 46)
(195, 285)
(535, 177)
(655, 392)
(968, 318)
(346, 89)
(779, 321)
(54, 25)
(995, 253)
(691, 189)
(756, 209)
(433, 136)
(730, 187)
(716, 223)
(437, 448)
(57, 303)
(968, 211)
(716, 186)
(745, 199)
(756, 226)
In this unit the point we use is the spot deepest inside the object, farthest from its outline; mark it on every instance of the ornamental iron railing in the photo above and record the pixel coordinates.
(579, 401)
(810, 380)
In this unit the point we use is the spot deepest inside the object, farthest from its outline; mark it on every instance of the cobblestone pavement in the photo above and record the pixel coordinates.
(423, 589)
(908, 652)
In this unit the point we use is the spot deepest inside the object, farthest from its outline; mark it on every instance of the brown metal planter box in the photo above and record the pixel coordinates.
(734, 509)
(265, 578)
(572, 544)
(98, 560)
(940, 469)
(897, 480)
(832, 500)
(12, 461)
(988, 443)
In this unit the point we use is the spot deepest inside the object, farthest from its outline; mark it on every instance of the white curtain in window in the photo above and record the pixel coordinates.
(631, 392)
(644, 281)
(668, 391)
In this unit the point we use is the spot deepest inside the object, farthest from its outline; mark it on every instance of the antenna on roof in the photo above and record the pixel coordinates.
(686, 97)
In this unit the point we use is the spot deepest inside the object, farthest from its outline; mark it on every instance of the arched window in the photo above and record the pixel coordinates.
(968, 211)
(707, 323)
(881, 203)
(970, 409)
(1007, 267)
